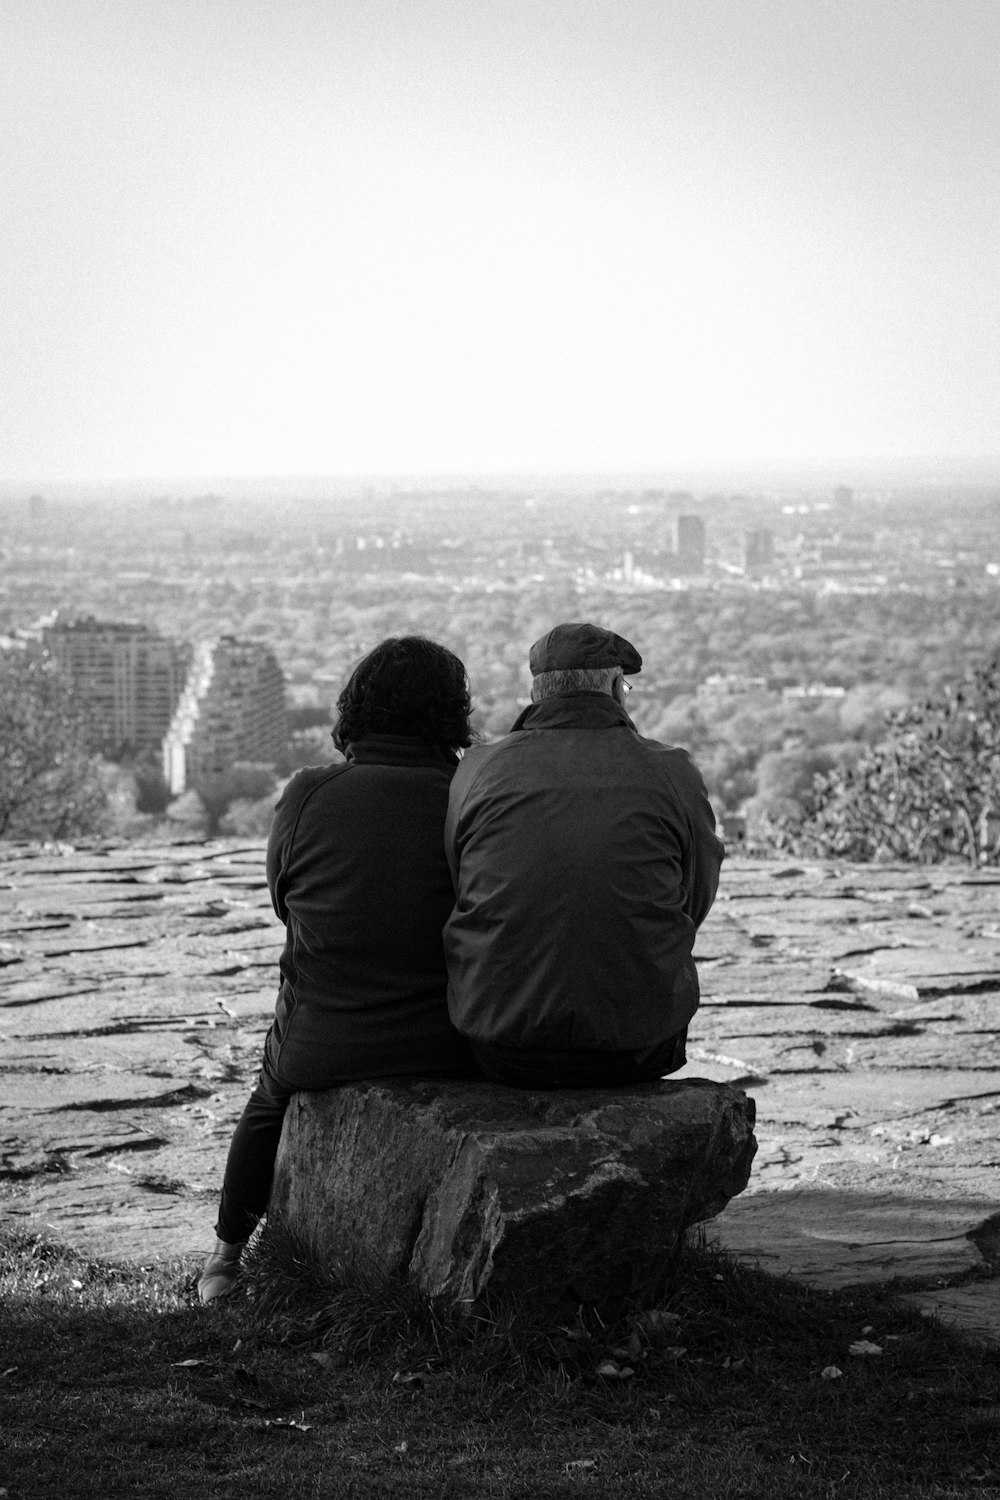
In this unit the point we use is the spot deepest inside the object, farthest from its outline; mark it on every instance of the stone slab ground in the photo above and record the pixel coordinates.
(857, 1005)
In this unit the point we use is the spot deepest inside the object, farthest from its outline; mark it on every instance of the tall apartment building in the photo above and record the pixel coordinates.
(689, 543)
(127, 674)
(758, 550)
(233, 708)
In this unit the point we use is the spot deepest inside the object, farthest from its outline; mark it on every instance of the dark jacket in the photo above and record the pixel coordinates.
(356, 871)
(584, 859)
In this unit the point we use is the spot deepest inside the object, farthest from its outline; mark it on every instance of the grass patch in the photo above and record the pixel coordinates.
(114, 1381)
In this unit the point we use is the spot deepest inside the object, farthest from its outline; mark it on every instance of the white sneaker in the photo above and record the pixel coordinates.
(220, 1271)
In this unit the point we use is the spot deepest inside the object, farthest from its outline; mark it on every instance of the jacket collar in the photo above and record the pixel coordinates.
(398, 750)
(574, 711)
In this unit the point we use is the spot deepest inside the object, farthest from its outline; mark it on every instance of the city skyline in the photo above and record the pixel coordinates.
(467, 239)
(750, 611)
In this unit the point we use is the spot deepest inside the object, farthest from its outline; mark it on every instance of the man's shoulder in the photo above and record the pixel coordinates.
(484, 760)
(667, 753)
(672, 760)
(478, 756)
(660, 759)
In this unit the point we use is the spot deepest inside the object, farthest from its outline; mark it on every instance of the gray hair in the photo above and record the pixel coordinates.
(574, 680)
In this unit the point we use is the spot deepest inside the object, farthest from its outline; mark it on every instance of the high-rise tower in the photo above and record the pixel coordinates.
(128, 676)
(758, 550)
(233, 708)
(689, 544)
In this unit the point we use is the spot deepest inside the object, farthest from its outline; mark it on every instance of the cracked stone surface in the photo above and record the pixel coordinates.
(135, 987)
(858, 1005)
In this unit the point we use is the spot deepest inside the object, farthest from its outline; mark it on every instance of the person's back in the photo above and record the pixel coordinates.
(584, 859)
(357, 873)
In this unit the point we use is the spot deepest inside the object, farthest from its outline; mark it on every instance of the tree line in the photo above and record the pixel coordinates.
(875, 774)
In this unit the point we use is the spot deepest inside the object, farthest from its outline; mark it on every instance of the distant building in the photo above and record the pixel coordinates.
(843, 495)
(689, 543)
(812, 691)
(233, 708)
(758, 550)
(127, 675)
(731, 685)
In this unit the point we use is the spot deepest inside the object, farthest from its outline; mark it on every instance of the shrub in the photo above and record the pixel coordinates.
(51, 784)
(929, 791)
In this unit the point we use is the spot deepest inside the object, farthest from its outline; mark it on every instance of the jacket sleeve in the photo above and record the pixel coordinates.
(457, 793)
(704, 851)
(279, 845)
(707, 854)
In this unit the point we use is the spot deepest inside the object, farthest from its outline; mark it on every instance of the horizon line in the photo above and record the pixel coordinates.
(826, 465)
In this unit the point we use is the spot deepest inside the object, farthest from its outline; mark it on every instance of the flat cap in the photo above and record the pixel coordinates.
(576, 647)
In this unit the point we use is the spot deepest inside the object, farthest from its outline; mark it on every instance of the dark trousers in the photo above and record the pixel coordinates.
(246, 1185)
(521, 1068)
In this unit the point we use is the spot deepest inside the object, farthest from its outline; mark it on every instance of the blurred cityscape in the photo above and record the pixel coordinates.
(208, 630)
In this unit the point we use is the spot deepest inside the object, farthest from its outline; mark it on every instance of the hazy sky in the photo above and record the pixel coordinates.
(391, 236)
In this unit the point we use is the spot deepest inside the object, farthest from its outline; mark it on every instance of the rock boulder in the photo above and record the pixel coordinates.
(464, 1186)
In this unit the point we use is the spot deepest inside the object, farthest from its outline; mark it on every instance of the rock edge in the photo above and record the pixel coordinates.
(464, 1187)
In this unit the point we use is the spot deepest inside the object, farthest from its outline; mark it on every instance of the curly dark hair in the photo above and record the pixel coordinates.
(406, 685)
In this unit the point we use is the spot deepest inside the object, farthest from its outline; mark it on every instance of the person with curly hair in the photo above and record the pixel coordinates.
(357, 873)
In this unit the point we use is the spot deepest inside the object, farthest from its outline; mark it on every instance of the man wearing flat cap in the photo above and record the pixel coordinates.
(584, 859)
